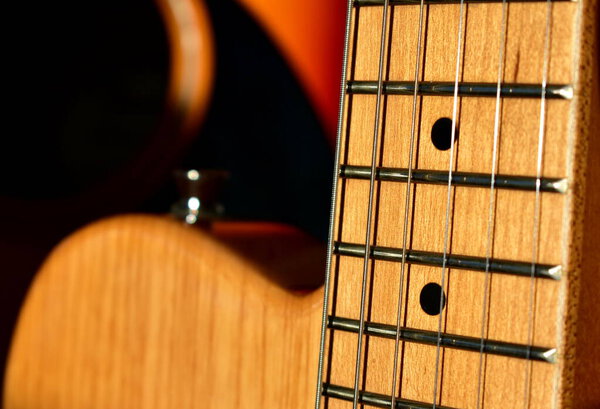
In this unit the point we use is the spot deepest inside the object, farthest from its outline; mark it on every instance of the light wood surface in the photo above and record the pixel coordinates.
(507, 382)
(143, 312)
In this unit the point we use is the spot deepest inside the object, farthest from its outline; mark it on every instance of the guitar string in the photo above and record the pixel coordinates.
(335, 180)
(492, 203)
(448, 199)
(332, 212)
(407, 203)
(537, 205)
(361, 327)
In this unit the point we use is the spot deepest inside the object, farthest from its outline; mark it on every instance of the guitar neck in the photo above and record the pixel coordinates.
(455, 251)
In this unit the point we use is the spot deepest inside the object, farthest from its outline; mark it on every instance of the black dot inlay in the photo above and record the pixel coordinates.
(430, 299)
(441, 134)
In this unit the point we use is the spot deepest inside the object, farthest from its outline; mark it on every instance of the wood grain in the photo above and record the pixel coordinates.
(140, 312)
(143, 312)
(511, 314)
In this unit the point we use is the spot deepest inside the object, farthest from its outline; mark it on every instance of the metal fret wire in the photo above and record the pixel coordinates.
(336, 171)
(384, 30)
(492, 205)
(448, 198)
(406, 206)
(537, 208)
(332, 212)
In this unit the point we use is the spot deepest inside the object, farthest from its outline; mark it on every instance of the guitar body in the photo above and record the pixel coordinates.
(183, 33)
(101, 113)
(144, 312)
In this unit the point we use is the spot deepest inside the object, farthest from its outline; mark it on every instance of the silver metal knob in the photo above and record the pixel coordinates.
(200, 191)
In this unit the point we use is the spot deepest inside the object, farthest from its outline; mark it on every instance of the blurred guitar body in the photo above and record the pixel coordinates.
(124, 90)
(144, 312)
(104, 99)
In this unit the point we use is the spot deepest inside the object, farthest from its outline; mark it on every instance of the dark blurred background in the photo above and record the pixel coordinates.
(84, 98)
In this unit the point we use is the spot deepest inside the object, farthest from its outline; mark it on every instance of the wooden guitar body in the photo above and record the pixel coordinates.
(190, 78)
(143, 312)
(462, 266)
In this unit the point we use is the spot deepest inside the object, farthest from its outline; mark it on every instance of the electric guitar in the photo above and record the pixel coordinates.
(461, 257)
